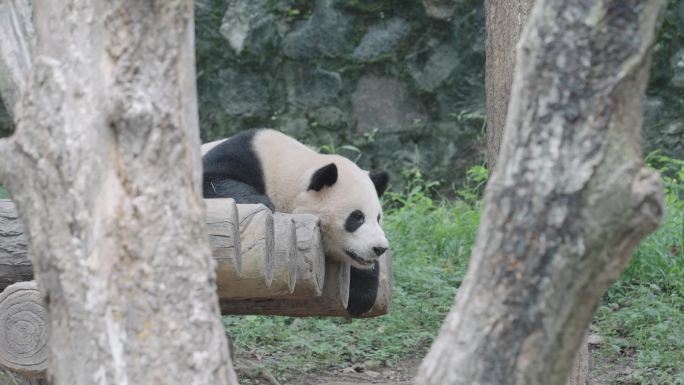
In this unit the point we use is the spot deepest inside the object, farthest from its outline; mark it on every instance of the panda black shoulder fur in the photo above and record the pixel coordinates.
(269, 167)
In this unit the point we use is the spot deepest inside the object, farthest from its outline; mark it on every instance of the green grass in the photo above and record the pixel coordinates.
(641, 319)
(431, 245)
(3, 193)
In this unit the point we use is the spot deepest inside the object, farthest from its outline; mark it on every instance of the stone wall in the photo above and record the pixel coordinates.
(400, 81)
(395, 84)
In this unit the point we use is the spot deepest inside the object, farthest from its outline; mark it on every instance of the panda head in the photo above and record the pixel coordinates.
(346, 199)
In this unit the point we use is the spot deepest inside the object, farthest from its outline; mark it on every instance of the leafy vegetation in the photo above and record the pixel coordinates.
(641, 319)
(3, 193)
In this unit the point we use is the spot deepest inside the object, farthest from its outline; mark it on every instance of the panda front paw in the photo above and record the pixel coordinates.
(363, 289)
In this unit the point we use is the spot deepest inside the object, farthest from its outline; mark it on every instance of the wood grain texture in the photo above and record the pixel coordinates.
(284, 255)
(384, 297)
(568, 203)
(310, 257)
(24, 330)
(223, 228)
(331, 302)
(257, 253)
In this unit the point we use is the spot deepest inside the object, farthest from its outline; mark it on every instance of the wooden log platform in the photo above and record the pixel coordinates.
(266, 264)
(331, 303)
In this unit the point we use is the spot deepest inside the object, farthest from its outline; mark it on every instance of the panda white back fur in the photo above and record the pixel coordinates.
(268, 167)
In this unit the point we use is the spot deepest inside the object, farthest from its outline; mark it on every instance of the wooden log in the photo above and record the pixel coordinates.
(246, 288)
(384, 298)
(310, 257)
(331, 302)
(14, 263)
(222, 226)
(224, 238)
(257, 249)
(24, 330)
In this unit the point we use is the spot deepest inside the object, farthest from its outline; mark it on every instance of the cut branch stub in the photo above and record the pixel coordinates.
(224, 238)
(285, 255)
(384, 297)
(24, 329)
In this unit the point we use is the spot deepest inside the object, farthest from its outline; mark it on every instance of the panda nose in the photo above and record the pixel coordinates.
(379, 250)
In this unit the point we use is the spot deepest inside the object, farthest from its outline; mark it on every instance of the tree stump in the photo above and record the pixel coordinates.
(24, 329)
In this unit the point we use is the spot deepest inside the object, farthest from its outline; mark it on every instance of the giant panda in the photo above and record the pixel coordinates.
(268, 167)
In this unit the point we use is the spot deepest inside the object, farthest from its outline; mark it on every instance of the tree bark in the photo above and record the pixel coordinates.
(105, 170)
(568, 204)
(505, 20)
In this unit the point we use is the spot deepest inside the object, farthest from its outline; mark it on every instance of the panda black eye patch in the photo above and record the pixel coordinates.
(354, 221)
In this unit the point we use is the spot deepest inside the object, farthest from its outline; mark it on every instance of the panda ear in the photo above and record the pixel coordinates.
(380, 180)
(324, 176)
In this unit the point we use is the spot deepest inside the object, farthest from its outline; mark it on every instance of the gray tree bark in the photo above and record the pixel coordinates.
(505, 20)
(568, 204)
(105, 169)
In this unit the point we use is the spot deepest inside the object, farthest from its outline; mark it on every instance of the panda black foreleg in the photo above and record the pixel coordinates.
(363, 289)
(240, 191)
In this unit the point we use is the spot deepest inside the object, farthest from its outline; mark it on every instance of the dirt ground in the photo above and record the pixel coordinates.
(372, 373)
(403, 373)
(368, 373)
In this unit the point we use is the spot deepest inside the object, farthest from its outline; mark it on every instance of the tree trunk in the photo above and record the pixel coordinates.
(105, 169)
(505, 21)
(568, 204)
